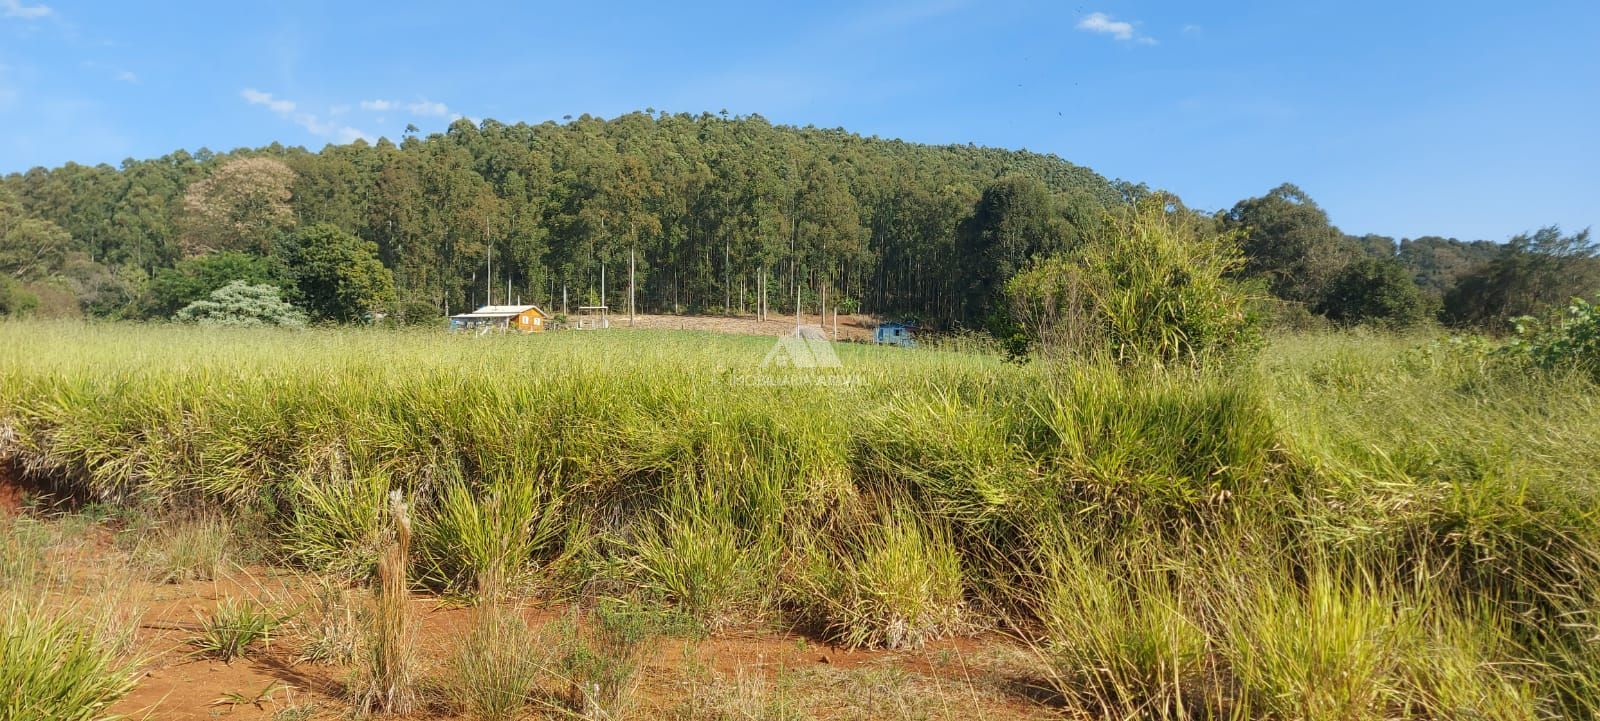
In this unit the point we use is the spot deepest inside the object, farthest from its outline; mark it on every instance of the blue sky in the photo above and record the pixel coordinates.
(1471, 119)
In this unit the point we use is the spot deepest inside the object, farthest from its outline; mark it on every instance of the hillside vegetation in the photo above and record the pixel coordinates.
(715, 214)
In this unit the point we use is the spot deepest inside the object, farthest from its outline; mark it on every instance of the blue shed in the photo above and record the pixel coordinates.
(894, 334)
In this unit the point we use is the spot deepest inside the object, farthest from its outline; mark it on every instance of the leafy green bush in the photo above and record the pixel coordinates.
(241, 304)
(1570, 338)
(1375, 291)
(1147, 285)
(600, 660)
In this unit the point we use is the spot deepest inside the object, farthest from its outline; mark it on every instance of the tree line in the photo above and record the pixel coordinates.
(714, 213)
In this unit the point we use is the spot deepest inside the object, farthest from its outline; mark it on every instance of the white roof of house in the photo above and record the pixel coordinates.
(499, 311)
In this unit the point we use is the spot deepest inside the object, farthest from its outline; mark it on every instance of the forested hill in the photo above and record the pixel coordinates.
(706, 203)
(711, 210)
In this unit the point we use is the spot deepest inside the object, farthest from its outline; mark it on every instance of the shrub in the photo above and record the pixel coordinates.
(232, 628)
(1147, 285)
(600, 660)
(1568, 339)
(241, 304)
(52, 667)
(1372, 290)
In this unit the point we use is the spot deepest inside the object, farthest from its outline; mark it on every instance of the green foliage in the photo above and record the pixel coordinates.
(1375, 291)
(1530, 275)
(16, 299)
(1015, 220)
(54, 667)
(712, 208)
(232, 628)
(1147, 285)
(1569, 339)
(1413, 510)
(1288, 241)
(338, 275)
(599, 660)
(892, 583)
(491, 532)
(241, 304)
(193, 279)
(183, 550)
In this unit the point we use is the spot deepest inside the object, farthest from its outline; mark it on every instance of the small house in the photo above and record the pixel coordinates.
(894, 334)
(505, 318)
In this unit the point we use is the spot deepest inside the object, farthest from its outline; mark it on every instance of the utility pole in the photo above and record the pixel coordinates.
(630, 287)
(488, 280)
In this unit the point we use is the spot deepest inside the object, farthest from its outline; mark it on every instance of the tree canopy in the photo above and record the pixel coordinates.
(709, 210)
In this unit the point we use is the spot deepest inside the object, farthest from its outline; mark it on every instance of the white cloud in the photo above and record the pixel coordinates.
(127, 76)
(15, 9)
(422, 107)
(256, 97)
(313, 124)
(429, 108)
(1120, 29)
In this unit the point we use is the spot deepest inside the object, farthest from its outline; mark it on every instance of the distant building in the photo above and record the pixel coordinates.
(518, 318)
(894, 334)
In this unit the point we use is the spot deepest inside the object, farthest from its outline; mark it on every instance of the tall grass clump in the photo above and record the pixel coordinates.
(386, 670)
(496, 531)
(695, 557)
(1121, 636)
(232, 628)
(495, 674)
(890, 582)
(55, 667)
(180, 550)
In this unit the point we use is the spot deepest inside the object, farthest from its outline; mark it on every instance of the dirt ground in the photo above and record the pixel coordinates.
(740, 673)
(850, 327)
(952, 679)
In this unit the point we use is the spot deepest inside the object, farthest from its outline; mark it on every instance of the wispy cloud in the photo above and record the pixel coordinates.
(1121, 30)
(286, 109)
(15, 9)
(256, 97)
(428, 108)
(422, 108)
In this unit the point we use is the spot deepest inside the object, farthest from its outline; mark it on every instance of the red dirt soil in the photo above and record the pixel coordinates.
(178, 685)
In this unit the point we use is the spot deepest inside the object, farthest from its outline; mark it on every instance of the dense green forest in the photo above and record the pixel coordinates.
(711, 209)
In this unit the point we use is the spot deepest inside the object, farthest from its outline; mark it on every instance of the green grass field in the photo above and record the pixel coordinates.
(1346, 527)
